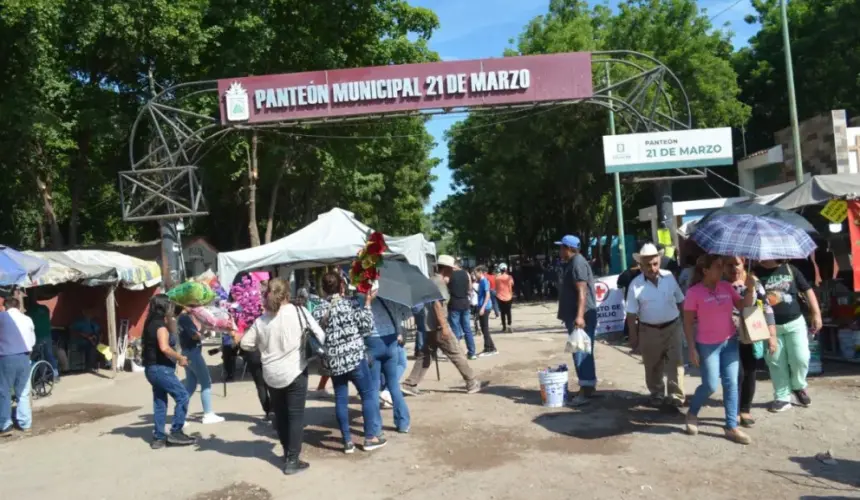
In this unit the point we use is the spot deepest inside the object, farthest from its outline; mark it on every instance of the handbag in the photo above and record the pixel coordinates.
(754, 326)
(310, 343)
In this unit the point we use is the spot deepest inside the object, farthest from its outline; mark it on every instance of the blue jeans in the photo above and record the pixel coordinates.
(461, 324)
(362, 379)
(719, 363)
(586, 372)
(15, 376)
(386, 354)
(198, 373)
(402, 363)
(46, 347)
(164, 381)
(495, 300)
(421, 329)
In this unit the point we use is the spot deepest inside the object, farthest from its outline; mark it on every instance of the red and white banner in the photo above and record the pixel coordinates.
(610, 305)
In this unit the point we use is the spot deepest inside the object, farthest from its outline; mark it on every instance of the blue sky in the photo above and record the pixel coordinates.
(475, 29)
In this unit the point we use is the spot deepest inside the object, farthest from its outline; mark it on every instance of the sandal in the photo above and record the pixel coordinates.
(737, 436)
(692, 424)
(747, 422)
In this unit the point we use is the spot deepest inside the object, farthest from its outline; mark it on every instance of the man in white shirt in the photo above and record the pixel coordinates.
(17, 338)
(653, 318)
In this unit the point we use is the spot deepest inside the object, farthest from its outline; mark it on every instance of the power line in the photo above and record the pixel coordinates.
(720, 13)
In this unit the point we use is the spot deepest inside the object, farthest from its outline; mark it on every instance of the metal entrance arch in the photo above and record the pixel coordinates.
(179, 126)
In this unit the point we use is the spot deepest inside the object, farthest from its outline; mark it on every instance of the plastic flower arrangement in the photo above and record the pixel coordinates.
(365, 268)
(248, 303)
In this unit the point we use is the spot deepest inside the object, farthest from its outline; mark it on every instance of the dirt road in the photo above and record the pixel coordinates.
(90, 441)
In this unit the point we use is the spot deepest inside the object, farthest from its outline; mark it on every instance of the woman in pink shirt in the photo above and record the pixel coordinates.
(708, 317)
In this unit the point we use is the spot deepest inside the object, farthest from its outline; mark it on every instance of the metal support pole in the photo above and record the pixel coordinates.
(619, 207)
(792, 100)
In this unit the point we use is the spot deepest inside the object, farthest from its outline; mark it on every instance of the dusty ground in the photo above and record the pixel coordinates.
(90, 441)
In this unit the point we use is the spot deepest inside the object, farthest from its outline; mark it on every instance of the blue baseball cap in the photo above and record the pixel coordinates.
(569, 241)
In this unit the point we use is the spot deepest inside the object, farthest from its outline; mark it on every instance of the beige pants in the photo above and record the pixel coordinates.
(662, 356)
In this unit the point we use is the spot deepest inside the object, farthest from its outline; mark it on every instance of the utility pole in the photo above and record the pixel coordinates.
(619, 207)
(792, 100)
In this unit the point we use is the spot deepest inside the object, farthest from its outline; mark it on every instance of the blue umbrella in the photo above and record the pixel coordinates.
(17, 267)
(752, 237)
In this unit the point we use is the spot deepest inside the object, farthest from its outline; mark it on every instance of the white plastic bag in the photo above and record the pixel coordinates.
(577, 341)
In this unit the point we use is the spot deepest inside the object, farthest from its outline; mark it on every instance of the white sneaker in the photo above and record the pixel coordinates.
(385, 396)
(212, 418)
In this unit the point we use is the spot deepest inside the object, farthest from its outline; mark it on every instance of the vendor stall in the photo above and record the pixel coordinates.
(830, 203)
(80, 280)
(334, 238)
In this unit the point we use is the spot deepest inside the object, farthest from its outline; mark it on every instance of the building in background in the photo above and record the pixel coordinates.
(830, 145)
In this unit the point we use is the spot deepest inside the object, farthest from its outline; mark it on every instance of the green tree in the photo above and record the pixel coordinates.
(524, 180)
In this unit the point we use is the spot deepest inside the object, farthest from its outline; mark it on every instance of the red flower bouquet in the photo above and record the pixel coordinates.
(365, 268)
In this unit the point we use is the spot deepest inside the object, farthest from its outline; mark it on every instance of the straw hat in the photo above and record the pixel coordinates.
(647, 250)
(446, 260)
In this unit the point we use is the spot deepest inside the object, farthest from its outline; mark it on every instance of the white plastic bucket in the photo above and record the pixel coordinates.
(846, 344)
(553, 388)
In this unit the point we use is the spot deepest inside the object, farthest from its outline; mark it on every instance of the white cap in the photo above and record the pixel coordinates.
(503, 267)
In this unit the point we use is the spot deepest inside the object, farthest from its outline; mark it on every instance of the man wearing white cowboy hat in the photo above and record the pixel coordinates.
(653, 318)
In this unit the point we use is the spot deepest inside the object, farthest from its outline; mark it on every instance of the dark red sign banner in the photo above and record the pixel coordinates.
(407, 87)
(854, 234)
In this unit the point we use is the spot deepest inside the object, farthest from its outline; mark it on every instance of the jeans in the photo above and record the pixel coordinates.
(46, 347)
(484, 322)
(450, 347)
(197, 372)
(746, 376)
(164, 381)
(288, 403)
(495, 300)
(421, 329)
(255, 368)
(402, 362)
(15, 375)
(362, 379)
(460, 322)
(586, 372)
(719, 363)
(505, 310)
(789, 365)
(386, 360)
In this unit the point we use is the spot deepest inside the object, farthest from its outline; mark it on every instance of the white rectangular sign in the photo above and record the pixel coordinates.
(707, 147)
(610, 305)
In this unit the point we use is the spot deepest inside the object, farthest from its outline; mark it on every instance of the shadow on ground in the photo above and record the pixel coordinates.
(66, 416)
(844, 475)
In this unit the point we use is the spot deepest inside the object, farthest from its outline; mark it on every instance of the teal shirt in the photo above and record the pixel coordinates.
(41, 317)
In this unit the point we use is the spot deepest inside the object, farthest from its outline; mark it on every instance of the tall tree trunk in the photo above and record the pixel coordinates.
(50, 216)
(41, 228)
(78, 176)
(253, 230)
(273, 198)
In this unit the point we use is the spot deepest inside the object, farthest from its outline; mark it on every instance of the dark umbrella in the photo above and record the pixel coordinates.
(404, 284)
(769, 211)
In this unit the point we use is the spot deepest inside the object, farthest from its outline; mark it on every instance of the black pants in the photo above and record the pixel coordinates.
(746, 377)
(288, 403)
(505, 311)
(484, 322)
(255, 366)
(228, 355)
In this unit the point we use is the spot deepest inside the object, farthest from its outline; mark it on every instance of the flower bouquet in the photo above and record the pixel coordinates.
(365, 268)
(248, 303)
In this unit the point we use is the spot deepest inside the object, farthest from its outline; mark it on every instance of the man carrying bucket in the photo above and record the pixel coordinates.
(653, 313)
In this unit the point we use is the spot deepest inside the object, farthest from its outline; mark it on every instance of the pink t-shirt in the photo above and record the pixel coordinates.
(713, 310)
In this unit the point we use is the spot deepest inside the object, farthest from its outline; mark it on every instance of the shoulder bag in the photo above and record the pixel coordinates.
(311, 345)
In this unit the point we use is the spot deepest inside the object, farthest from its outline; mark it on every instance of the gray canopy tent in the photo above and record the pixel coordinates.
(820, 189)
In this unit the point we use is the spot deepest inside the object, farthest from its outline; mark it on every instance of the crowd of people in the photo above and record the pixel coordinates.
(705, 313)
(362, 343)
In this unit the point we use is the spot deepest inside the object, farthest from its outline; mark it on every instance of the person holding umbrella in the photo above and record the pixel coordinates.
(713, 341)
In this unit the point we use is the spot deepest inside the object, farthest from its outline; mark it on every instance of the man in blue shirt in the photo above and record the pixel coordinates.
(485, 305)
(577, 308)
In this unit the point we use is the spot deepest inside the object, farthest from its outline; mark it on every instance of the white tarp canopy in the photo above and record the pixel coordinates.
(334, 238)
(97, 267)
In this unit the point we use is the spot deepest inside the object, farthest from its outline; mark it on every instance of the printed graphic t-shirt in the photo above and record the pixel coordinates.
(713, 310)
(782, 285)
